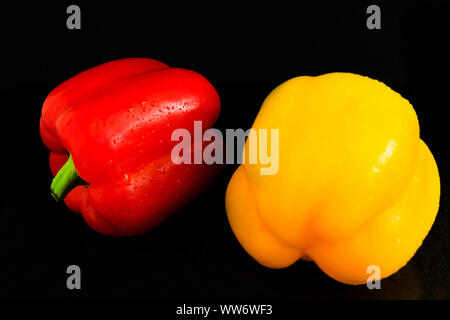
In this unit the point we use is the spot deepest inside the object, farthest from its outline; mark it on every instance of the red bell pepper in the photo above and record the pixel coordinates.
(109, 131)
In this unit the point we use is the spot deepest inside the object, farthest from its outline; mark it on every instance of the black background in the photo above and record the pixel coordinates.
(245, 51)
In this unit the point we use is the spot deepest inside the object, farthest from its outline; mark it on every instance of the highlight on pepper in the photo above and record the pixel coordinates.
(109, 134)
(356, 185)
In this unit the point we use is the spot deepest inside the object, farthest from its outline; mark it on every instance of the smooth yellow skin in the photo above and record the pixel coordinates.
(355, 187)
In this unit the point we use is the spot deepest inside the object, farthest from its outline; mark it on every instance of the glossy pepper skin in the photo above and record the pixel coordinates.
(356, 185)
(116, 122)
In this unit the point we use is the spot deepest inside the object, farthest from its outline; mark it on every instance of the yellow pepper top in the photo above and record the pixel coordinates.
(355, 187)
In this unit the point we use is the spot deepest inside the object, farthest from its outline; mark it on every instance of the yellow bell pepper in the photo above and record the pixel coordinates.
(356, 186)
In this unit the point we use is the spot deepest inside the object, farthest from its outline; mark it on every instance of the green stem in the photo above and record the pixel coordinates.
(65, 180)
